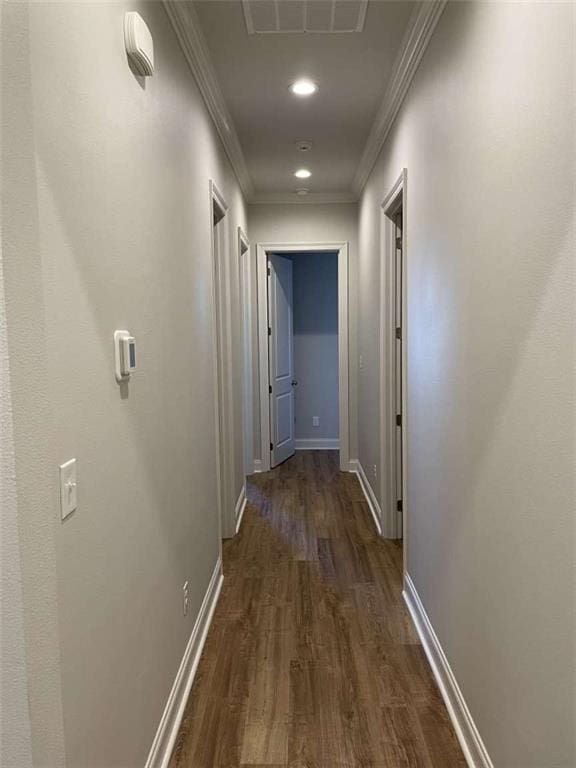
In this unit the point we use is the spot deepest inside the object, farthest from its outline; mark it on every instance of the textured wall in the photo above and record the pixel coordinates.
(487, 135)
(106, 225)
(15, 741)
(26, 337)
(316, 344)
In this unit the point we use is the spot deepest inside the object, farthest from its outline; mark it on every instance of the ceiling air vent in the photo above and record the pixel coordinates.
(265, 17)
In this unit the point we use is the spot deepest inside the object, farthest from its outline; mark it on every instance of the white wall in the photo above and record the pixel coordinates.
(15, 741)
(106, 225)
(487, 135)
(311, 223)
(26, 338)
(316, 344)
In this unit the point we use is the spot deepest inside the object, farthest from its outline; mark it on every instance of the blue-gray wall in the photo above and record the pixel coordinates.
(316, 344)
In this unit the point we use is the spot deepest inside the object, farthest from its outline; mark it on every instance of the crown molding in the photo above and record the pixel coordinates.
(291, 198)
(420, 28)
(184, 19)
(186, 25)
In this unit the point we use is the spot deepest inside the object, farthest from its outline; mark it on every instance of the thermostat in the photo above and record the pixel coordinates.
(124, 354)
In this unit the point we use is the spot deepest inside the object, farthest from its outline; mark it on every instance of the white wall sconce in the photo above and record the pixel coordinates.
(139, 44)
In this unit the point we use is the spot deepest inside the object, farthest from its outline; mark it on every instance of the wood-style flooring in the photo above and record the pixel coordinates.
(312, 660)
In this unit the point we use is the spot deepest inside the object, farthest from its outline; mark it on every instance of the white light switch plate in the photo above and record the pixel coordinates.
(68, 490)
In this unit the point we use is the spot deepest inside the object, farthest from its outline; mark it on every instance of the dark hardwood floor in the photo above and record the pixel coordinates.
(312, 660)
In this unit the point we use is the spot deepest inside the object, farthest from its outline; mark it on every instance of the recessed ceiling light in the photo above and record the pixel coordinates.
(302, 192)
(303, 87)
(302, 173)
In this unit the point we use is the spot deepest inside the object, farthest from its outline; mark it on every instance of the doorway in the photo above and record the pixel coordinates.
(392, 356)
(280, 398)
(222, 355)
(245, 292)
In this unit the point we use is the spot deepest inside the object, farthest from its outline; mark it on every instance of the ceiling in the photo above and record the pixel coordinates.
(254, 71)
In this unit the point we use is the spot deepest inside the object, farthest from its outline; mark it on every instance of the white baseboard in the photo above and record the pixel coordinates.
(167, 732)
(468, 736)
(257, 466)
(358, 469)
(240, 507)
(317, 444)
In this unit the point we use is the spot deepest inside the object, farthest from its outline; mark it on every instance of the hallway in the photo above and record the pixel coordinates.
(398, 591)
(312, 659)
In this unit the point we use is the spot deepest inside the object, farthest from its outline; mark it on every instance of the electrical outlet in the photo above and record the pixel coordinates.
(374, 471)
(315, 421)
(185, 598)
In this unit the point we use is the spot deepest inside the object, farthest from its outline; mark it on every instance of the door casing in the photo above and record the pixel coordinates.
(245, 283)
(221, 339)
(394, 200)
(262, 251)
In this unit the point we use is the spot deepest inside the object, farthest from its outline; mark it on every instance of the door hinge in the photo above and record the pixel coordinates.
(269, 331)
(270, 388)
(399, 243)
(398, 419)
(398, 333)
(268, 270)
(399, 505)
(271, 446)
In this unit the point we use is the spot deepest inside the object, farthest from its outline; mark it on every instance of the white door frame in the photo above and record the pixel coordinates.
(245, 283)
(395, 198)
(262, 251)
(222, 364)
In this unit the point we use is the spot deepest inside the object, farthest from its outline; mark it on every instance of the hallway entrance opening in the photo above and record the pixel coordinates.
(303, 350)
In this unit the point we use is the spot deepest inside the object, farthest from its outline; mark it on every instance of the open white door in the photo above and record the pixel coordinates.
(281, 359)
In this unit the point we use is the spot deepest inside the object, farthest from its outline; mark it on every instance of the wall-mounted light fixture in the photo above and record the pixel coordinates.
(139, 44)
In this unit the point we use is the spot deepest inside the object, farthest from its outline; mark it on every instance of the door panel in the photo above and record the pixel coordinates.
(281, 358)
(284, 419)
